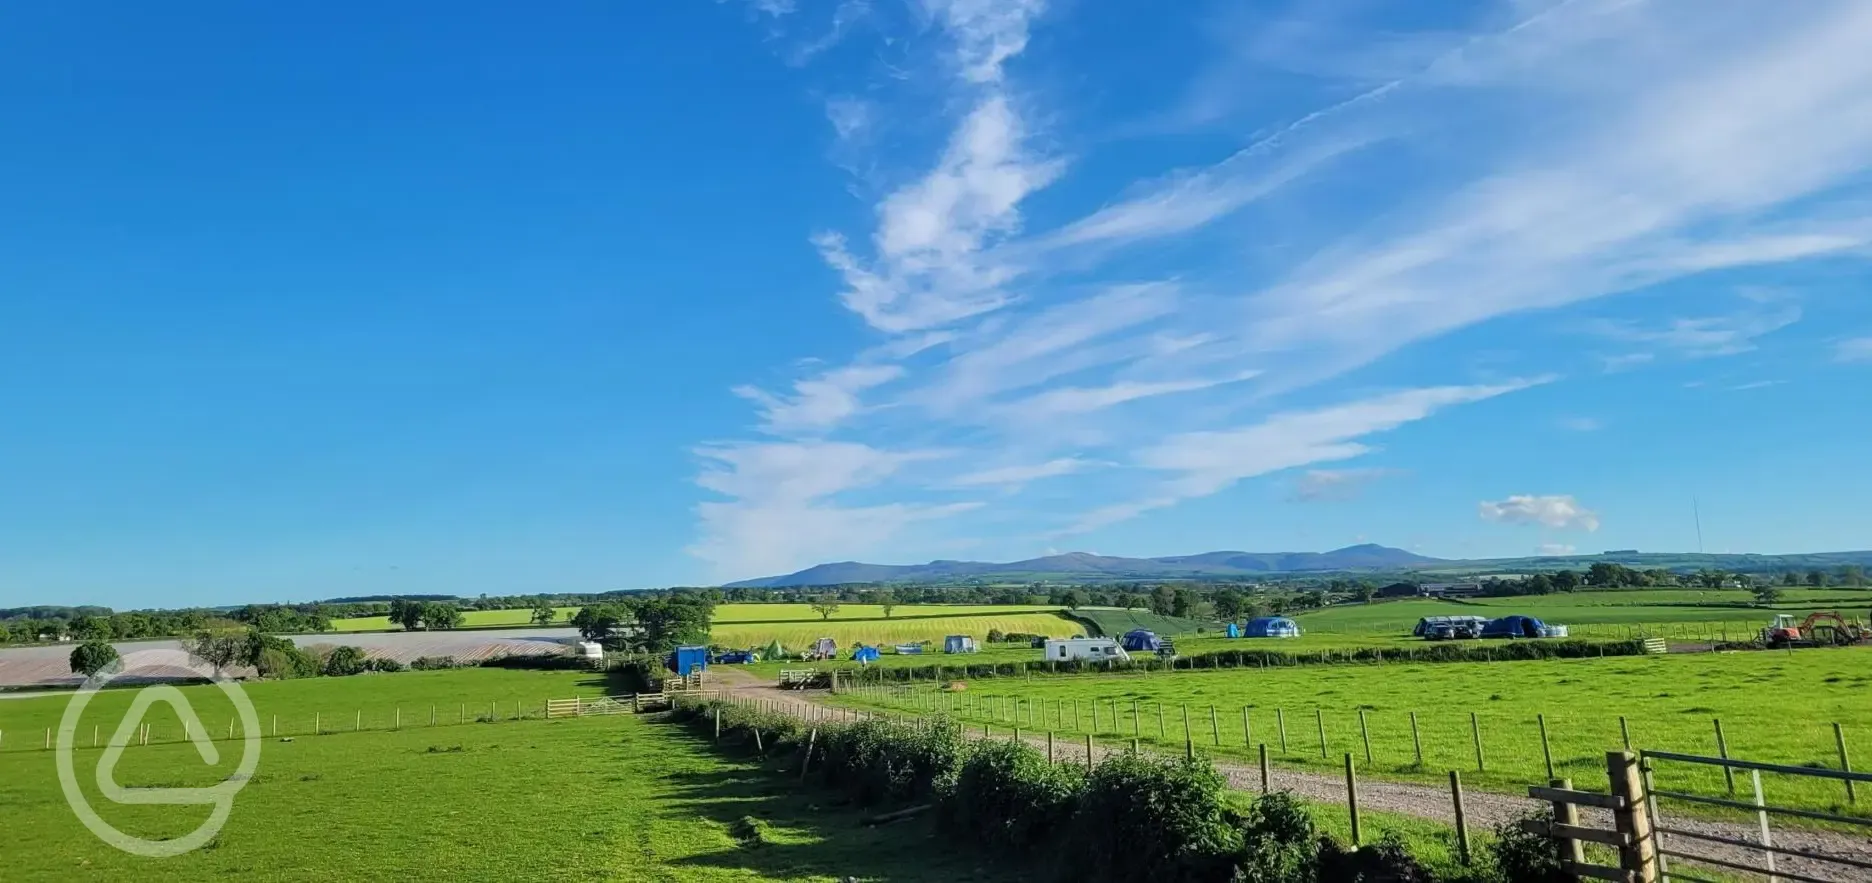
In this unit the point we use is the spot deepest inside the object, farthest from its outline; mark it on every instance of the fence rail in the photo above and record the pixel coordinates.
(1691, 845)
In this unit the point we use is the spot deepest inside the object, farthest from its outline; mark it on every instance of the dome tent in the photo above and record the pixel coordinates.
(1273, 627)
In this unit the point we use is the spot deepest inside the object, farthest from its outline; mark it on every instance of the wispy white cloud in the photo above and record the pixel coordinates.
(1755, 384)
(1858, 349)
(1625, 361)
(1557, 511)
(986, 32)
(848, 116)
(821, 402)
(1335, 485)
(1013, 476)
(1707, 336)
(1204, 463)
(1582, 424)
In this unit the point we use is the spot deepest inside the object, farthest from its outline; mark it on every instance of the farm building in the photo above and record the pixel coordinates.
(1449, 590)
(958, 644)
(1272, 627)
(1140, 640)
(1084, 649)
(1428, 626)
(1516, 626)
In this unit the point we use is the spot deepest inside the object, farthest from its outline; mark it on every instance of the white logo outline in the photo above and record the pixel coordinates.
(220, 795)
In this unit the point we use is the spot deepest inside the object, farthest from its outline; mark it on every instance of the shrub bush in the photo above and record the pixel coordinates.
(384, 663)
(287, 662)
(434, 663)
(1157, 820)
(1523, 857)
(346, 660)
(1279, 843)
(1007, 796)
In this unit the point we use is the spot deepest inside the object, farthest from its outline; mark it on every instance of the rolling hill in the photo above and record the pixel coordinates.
(1086, 566)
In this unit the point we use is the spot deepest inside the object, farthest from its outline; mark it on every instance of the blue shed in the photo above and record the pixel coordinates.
(1516, 626)
(1139, 639)
(1273, 627)
(688, 659)
(1233, 631)
(865, 654)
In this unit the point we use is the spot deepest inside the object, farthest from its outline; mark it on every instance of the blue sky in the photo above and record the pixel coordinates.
(301, 303)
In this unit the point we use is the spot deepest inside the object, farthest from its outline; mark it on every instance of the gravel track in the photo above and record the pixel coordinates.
(1484, 809)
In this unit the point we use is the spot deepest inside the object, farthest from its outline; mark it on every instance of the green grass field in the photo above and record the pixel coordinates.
(1597, 614)
(614, 798)
(724, 614)
(1114, 622)
(1775, 707)
(797, 635)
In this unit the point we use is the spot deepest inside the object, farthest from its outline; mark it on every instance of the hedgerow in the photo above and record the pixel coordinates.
(1130, 819)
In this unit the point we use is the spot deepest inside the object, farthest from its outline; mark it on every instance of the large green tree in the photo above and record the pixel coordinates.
(219, 648)
(92, 657)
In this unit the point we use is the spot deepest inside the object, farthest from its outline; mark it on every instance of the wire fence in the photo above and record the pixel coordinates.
(1502, 749)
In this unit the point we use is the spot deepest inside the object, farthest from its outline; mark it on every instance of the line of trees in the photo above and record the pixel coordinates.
(648, 624)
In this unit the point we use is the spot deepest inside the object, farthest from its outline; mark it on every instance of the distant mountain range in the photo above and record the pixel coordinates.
(1367, 558)
(1086, 566)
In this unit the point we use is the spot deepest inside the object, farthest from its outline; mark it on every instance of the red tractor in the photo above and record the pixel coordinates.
(1821, 629)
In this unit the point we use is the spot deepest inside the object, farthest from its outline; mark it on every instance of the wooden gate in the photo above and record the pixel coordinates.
(1774, 859)
(1631, 836)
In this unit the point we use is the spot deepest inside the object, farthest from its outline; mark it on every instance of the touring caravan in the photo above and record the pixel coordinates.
(1085, 650)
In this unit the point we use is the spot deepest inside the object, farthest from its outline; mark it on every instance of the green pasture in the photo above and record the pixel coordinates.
(368, 701)
(1590, 614)
(1114, 621)
(796, 636)
(737, 613)
(1774, 706)
(470, 619)
(612, 798)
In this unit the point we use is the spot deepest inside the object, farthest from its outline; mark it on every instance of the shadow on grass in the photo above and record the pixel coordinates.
(786, 830)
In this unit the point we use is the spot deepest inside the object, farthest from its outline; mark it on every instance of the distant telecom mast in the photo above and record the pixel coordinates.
(1696, 512)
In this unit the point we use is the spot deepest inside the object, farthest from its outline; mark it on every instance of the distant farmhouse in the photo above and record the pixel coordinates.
(1449, 590)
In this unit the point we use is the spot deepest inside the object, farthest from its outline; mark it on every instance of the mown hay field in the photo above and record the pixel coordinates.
(1774, 706)
(613, 798)
(897, 630)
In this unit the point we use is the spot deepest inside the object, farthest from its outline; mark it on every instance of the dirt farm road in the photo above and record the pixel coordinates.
(1484, 809)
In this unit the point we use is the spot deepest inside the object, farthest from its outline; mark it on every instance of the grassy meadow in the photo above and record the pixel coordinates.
(1775, 707)
(897, 630)
(1701, 613)
(470, 619)
(613, 798)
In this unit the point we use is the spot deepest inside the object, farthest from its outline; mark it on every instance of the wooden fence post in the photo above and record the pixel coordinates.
(718, 724)
(1351, 790)
(1545, 750)
(1215, 731)
(1722, 751)
(1319, 718)
(1462, 817)
(1189, 744)
(1365, 733)
(1160, 721)
(1088, 741)
(1095, 726)
(1839, 738)
(1624, 733)
(1247, 729)
(806, 761)
(1266, 777)
(1134, 720)
(1564, 813)
(1638, 856)
(316, 729)
(1475, 729)
(1280, 721)
(1416, 743)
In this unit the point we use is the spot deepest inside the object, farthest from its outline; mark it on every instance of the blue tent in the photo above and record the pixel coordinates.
(1233, 630)
(1513, 627)
(865, 654)
(1139, 639)
(1273, 627)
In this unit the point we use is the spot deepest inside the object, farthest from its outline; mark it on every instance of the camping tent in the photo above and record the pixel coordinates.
(775, 650)
(1428, 624)
(1233, 631)
(1139, 639)
(824, 648)
(1273, 627)
(1513, 627)
(865, 654)
(958, 644)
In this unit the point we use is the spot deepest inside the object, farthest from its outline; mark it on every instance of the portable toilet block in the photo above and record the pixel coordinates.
(688, 659)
